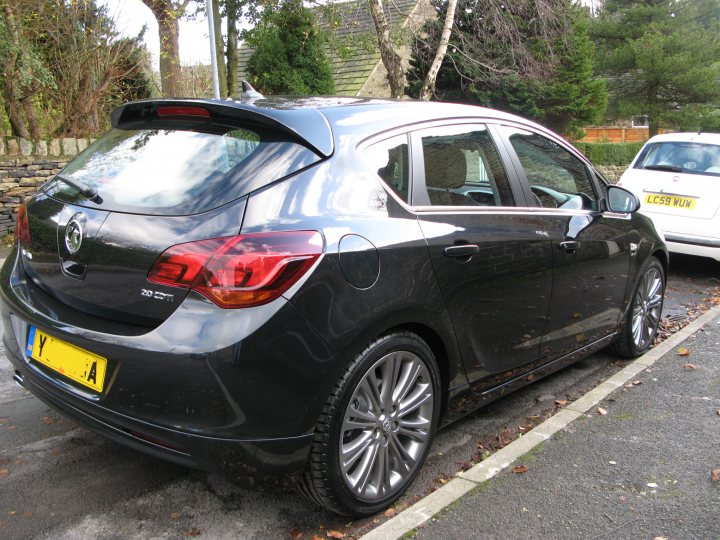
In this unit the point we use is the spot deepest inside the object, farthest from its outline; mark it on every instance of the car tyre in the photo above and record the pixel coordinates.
(640, 326)
(376, 427)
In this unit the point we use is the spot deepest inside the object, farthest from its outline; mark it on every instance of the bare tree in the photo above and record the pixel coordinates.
(428, 87)
(22, 73)
(232, 10)
(219, 49)
(167, 13)
(390, 58)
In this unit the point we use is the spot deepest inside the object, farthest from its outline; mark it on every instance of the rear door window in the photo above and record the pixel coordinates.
(179, 172)
(463, 167)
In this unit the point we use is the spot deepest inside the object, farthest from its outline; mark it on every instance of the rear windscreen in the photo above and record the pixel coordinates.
(685, 157)
(178, 172)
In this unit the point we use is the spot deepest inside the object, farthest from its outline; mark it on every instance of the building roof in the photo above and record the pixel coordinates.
(353, 34)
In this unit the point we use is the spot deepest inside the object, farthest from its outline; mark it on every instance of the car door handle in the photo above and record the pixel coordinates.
(463, 250)
(570, 245)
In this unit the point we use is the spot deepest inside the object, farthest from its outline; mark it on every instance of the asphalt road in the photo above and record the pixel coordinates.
(58, 480)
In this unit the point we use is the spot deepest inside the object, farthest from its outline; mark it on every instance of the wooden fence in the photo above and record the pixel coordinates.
(616, 135)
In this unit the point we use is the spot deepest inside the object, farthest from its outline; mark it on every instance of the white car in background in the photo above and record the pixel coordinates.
(676, 176)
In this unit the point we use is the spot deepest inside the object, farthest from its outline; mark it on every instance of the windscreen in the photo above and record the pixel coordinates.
(176, 171)
(685, 157)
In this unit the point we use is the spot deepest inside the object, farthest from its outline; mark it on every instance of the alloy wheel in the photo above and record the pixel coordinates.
(386, 426)
(647, 308)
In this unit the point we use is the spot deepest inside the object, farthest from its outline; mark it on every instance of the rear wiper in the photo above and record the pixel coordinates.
(89, 191)
(669, 168)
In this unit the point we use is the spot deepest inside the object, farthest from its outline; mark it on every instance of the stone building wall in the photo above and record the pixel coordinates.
(24, 166)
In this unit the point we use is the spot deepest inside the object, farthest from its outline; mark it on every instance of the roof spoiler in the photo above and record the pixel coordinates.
(306, 125)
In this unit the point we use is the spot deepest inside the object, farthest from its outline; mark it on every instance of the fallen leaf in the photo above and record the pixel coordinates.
(47, 420)
(4, 473)
(28, 514)
(690, 366)
(390, 512)
(601, 411)
(335, 534)
(636, 383)
(520, 469)
(443, 481)
(682, 351)
(561, 402)
(192, 532)
(295, 533)
(174, 515)
(715, 475)
(316, 537)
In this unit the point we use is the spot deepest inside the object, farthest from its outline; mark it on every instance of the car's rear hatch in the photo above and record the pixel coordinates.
(170, 172)
(677, 176)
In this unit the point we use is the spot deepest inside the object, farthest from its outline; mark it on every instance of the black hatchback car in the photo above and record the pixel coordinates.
(308, 287)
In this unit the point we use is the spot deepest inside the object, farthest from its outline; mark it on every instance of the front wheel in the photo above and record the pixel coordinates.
(376, 427)
(641, 325)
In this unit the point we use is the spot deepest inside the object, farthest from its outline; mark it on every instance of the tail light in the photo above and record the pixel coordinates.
(22, 230)
(239, 271)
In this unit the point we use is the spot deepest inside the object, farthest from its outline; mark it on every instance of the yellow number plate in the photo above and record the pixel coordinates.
(73, 362)
(670, 200)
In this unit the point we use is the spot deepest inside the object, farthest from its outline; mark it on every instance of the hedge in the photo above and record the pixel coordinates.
(609, 153)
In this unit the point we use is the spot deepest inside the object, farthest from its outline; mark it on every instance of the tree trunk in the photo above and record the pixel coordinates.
(219, 49)
(232, 47)
(390, 58)
(167, 15)
(428, 87)
(31, 117)
(13, 108)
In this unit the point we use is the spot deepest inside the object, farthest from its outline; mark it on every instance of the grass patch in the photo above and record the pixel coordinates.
(530, 456)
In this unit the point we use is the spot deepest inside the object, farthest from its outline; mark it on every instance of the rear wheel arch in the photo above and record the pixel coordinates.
(664, 260)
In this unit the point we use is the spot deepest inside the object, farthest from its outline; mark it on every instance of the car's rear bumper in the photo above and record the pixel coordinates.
(252, 460)
(222, 390)
(692, 248)
(688, 235)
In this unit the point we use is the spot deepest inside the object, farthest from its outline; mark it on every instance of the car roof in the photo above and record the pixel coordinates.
(372, 115)
(318, 120)
(709, 138)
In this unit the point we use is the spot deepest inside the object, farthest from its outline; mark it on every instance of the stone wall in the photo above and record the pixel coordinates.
(25, 165)
(612, 172)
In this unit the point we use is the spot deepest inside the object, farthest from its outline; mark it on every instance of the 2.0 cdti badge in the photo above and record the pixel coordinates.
(308, 287)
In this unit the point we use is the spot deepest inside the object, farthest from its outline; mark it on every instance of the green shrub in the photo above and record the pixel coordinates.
(289, 56)
(609, 153)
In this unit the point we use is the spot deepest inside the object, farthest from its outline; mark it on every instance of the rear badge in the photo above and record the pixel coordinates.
(74, 234)
(157, 295)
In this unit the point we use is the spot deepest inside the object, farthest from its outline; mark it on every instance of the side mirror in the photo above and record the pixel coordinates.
(621, 200)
